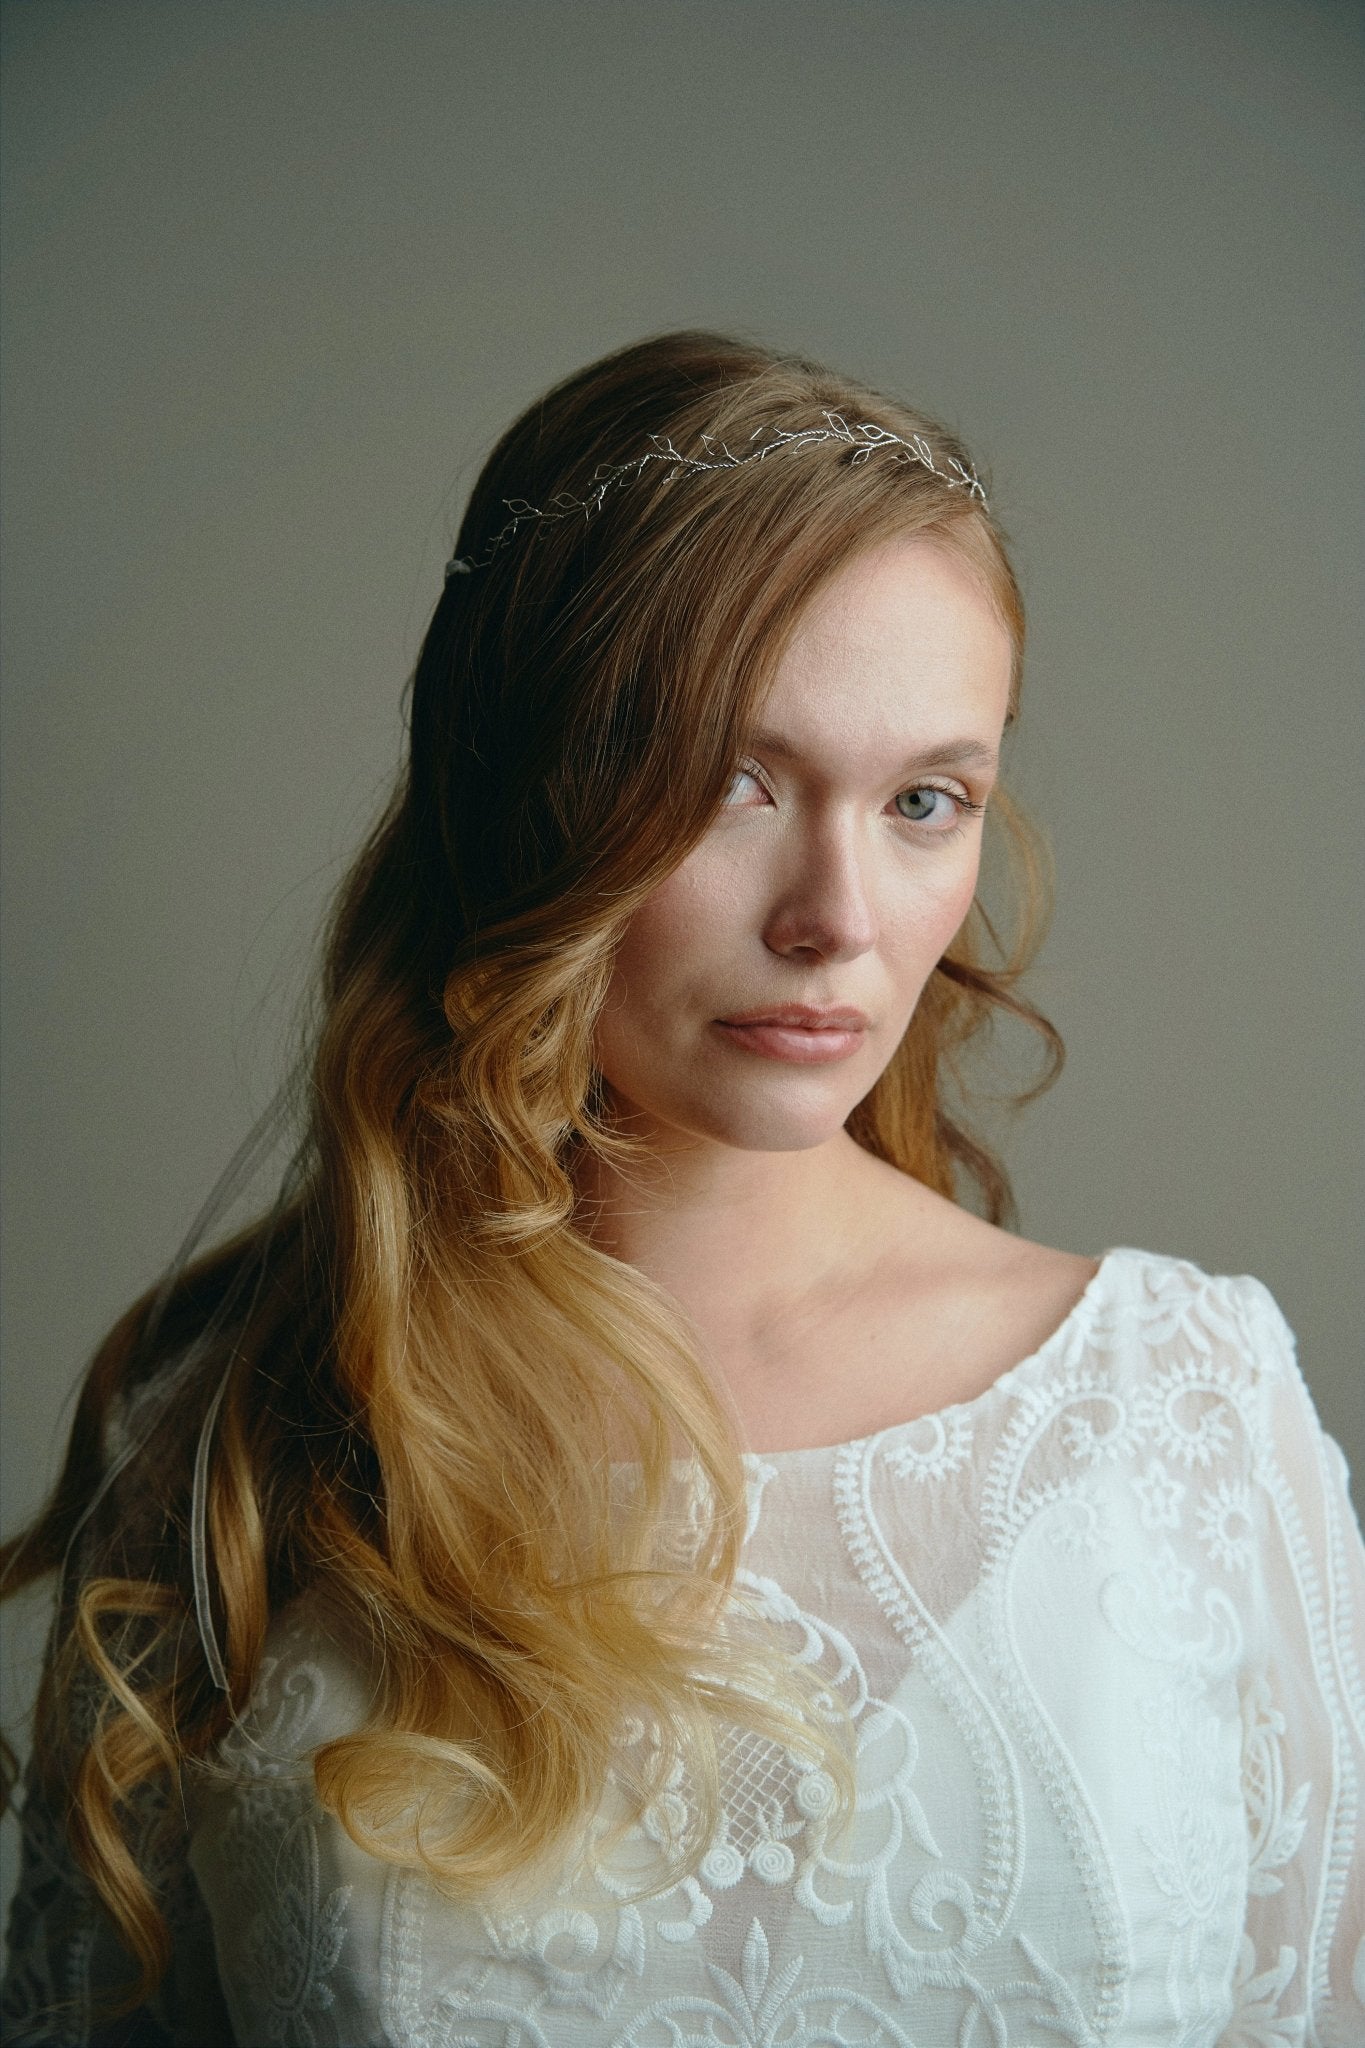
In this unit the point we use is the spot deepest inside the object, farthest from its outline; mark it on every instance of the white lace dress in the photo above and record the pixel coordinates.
(1099, 1631)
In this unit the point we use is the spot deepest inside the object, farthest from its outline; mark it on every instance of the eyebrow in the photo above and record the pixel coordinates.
(963, 753)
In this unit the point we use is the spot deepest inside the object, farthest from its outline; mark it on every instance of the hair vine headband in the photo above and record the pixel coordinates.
(865, 439)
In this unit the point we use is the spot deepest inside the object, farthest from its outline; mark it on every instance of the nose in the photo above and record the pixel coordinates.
(822, 903)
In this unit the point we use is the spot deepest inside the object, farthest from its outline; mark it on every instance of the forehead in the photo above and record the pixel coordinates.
(901, 649)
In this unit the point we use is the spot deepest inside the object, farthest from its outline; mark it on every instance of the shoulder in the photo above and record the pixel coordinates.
(314, 1685)
(1166, 1303)
(1127, 1312)
(1199, 1354)
(1156, 1301)
(1185, 1385)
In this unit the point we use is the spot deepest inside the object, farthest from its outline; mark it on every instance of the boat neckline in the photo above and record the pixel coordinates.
(1054, 1339)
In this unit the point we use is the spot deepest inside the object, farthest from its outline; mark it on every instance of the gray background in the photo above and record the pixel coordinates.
(276, 276)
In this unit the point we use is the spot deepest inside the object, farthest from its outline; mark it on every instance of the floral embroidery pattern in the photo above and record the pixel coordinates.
(1159, 1495)
(1224, 1520)
(1079, 1524)
(1276, 1824)
(1256, 2020)
(294, 1944)
(762, 2008)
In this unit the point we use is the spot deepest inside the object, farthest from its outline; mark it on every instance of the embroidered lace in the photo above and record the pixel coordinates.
(1099, 1631)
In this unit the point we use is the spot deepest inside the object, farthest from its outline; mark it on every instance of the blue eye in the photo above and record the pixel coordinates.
(928, 805)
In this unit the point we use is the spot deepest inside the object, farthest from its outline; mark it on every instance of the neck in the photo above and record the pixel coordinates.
(736, 1237)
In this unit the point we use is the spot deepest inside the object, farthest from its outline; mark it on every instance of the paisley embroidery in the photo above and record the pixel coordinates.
(933, 1447)
(1187, 1415)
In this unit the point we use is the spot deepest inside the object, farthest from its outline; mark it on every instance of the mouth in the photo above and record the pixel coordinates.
(802, 1017)
(796, 1033)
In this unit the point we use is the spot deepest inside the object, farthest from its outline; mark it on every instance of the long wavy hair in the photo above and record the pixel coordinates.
(396, 1388)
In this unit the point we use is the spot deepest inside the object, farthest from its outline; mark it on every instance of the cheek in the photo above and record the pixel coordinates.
(656, 989)
(957, 902)
(932, 916)
(677, 934)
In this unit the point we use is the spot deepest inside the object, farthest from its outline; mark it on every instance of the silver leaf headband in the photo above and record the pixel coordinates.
(865, 439)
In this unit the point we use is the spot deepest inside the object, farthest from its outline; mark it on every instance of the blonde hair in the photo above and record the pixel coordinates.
(421, 1356)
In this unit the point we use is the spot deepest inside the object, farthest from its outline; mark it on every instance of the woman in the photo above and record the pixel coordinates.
(621, 1554)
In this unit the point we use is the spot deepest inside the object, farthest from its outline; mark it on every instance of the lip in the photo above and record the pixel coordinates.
(797, 1033)
(802, 1017)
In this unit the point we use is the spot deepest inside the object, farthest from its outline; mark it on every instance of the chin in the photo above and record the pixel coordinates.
(792, 1119)
(751, 1129)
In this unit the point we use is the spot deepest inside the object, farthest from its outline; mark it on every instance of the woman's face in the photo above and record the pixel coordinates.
(834, 878)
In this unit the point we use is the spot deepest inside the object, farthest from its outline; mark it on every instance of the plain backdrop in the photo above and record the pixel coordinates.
(277, 274)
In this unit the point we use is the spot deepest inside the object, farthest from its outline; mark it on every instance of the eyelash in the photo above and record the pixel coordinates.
(966, 807)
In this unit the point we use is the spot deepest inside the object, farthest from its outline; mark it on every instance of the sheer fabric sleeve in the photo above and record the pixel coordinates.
(64, 1964)
(1301, 1974)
